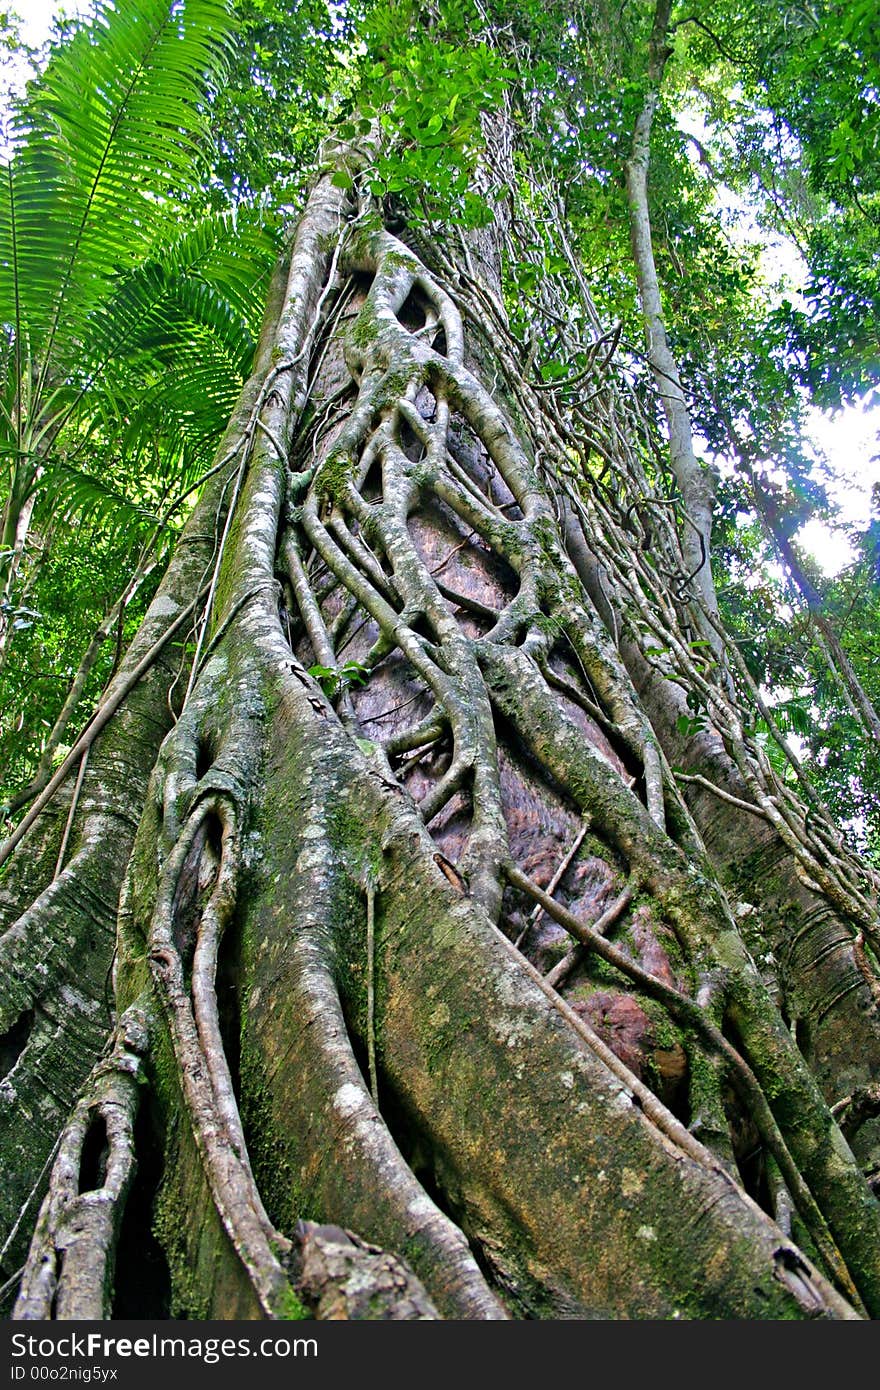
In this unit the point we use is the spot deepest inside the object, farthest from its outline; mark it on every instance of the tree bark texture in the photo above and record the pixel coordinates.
(417, 938)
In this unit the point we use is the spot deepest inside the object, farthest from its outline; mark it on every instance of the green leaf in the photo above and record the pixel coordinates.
(353, 673)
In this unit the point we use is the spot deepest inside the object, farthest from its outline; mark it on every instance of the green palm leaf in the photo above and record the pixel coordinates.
(100, 293)
(160, 369)
(212, 275)
(106, 138)
(198, 293)
(84, 498)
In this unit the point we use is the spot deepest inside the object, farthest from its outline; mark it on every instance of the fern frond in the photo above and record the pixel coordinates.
(213, 275)
(112, 127)
(81, 497)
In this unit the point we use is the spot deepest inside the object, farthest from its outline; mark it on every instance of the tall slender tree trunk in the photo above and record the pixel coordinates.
(417, 936)
(695, 482)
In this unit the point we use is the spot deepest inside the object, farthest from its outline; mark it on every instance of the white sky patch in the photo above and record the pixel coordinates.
(35, 28)
(849, 438)
(37, 16)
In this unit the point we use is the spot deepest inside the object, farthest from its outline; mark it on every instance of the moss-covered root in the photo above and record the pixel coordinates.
(206, 1085)
(704, 921)
(332, 1273)
(69, 1270)
(572, 1195)
(320, 1135)
(225, 1257)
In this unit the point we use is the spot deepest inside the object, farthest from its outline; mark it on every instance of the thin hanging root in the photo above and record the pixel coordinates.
(698, 781)
(863, 965)
(538, 911)
(371, 990)
(11, 1283)
(427, 732)
(215, 917)
(74, 802)
(688, 1012)
(418, 755)
(601, 925)
(98, 721)
(852, 1111)
(69, 1269)
(666, 1123)
(336, 1272)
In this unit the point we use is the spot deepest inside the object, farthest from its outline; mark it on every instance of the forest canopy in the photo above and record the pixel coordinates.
(407, 625)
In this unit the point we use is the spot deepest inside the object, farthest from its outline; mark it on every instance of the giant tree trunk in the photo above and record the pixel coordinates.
(417, 936)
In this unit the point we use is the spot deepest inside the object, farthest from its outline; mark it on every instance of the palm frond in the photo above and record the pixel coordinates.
(212, 276)
(82, 497)
(111, 129)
